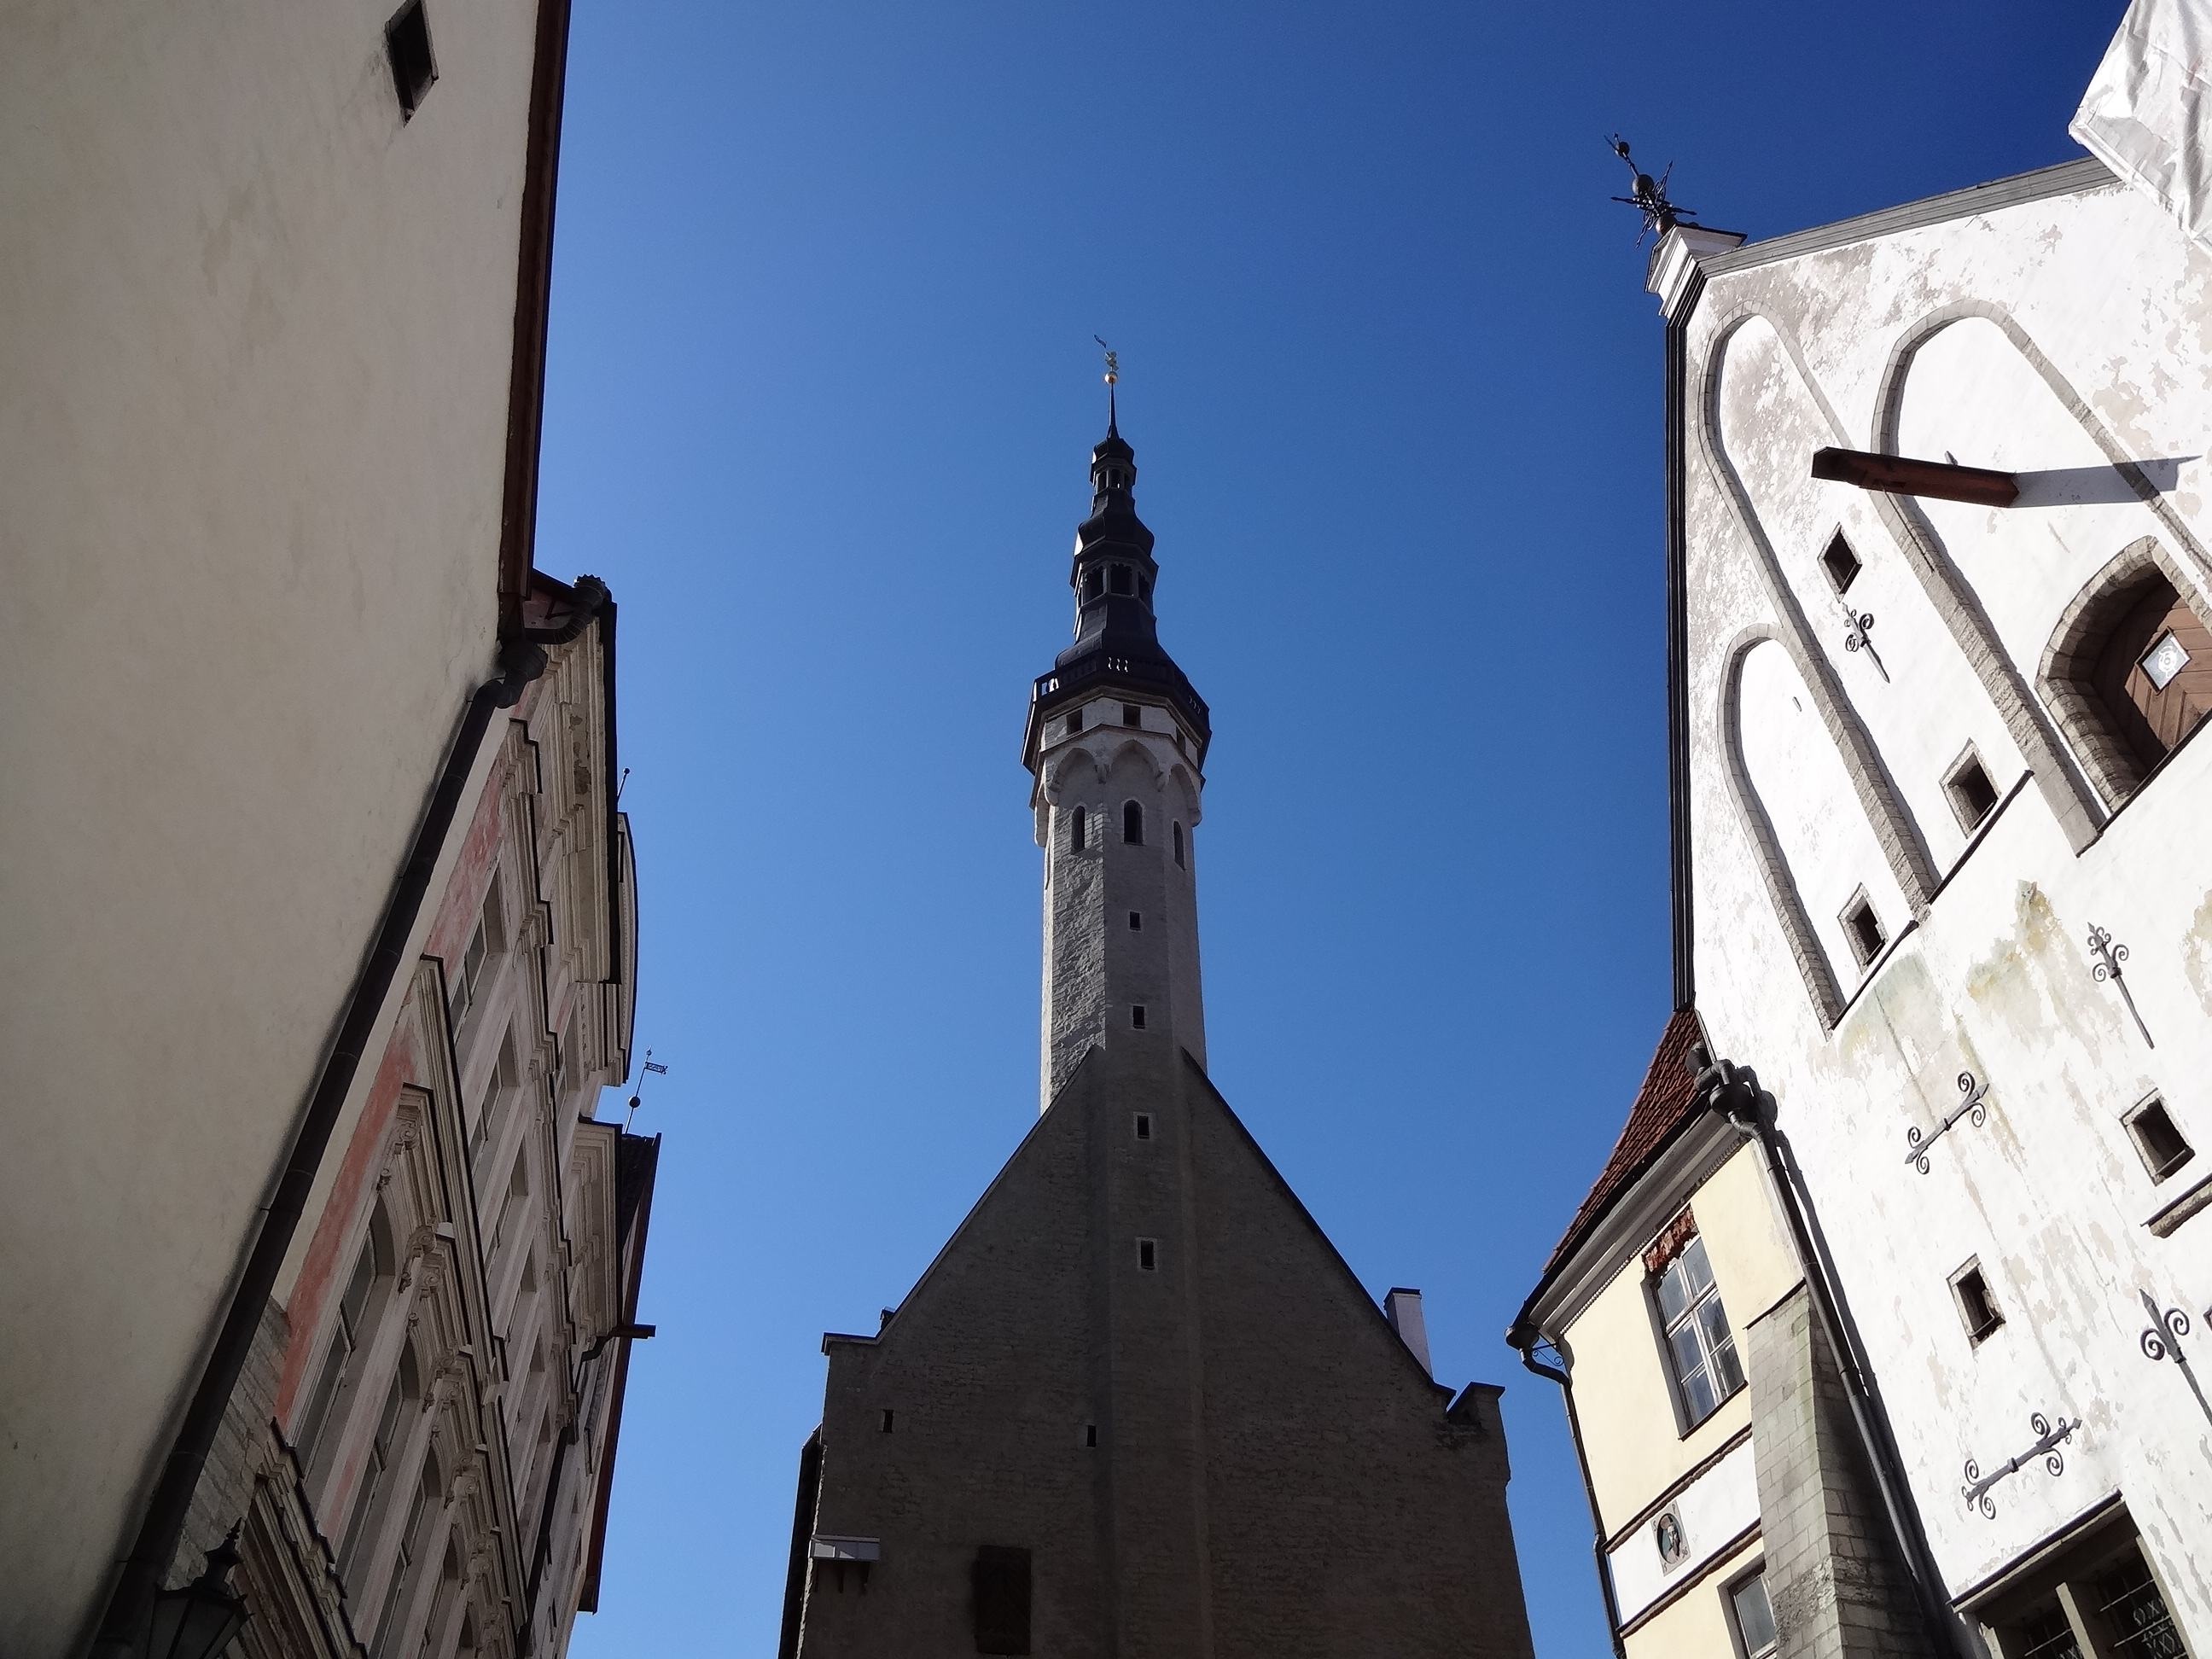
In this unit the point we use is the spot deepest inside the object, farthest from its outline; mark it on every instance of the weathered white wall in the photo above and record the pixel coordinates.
(256, 337)
(1925, 341)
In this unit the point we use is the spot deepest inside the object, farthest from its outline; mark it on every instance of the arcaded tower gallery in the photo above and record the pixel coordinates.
(1138, 1405)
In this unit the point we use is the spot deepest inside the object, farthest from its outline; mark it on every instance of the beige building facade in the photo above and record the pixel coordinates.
(1138, 1405)
(272, 333)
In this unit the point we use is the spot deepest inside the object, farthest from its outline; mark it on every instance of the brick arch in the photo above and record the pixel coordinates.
(1811, 958)
(1895, 827)
(2074, 642)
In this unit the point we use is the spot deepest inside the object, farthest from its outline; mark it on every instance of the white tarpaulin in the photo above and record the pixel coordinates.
(2147, 114)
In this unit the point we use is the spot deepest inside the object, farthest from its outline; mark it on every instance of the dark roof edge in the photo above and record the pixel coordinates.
(2065, 178)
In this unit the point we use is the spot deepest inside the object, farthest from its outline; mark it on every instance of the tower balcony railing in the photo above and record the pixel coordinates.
(1166, 676)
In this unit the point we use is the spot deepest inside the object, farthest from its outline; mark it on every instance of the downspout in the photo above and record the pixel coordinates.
(131, 1603)
(1524, 1339)
(1734, 1092)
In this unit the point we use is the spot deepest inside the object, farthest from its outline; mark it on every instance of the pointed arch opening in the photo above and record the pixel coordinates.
(2127, 673)
(1132, 822)
(1078, 827)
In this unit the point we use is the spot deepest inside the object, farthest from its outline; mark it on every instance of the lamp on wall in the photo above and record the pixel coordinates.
(201, 1620)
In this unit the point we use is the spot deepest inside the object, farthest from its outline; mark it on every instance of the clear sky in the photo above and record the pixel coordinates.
(822, 395)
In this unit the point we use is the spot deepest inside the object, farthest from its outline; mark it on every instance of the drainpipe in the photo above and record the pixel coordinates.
(521, 661)
(1525, 1338)
(1733, 1092)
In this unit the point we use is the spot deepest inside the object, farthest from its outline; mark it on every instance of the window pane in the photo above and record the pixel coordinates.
(1674, 1292)
(1698, 1397)
(1728, 1374)
(1695, 1268)
(1713, 1319)
(1754, 1616)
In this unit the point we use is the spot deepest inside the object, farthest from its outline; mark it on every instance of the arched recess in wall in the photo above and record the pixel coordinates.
(2059, 447)
(2125, 698)
(1904, 851)
(1821, 859)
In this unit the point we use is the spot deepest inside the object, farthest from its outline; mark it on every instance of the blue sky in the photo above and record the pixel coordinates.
(820, 399)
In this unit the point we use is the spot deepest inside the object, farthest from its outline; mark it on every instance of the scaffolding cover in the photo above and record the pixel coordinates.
(2147, 114)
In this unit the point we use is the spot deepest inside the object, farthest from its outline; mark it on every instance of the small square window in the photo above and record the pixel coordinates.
(1132, 715)
(1074, 722)
(1977, 1309)
(1137, 1017)
(1143, 1125)
(1973, 796)
(1753, 1615)
(1864, 928)
(1148, 1255)
(2164, 660)
(1136, 922)
(1841, 564)
(2160, 1144)
(407, 43)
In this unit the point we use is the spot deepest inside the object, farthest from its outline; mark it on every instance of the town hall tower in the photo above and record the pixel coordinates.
(1139, 1406)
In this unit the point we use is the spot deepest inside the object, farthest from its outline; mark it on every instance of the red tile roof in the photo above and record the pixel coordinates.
(1662, 1106)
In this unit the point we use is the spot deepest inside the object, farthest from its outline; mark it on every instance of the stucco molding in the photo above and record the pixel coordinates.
(1894, 828)
(1758, 824)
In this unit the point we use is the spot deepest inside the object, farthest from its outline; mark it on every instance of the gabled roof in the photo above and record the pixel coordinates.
(1663, 1106)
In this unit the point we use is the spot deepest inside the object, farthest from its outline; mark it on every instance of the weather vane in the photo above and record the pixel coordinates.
(1650, 195)
(637, 1099)
(1113, 375)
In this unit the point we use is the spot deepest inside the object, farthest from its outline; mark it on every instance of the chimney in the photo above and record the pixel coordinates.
(1402, 1307)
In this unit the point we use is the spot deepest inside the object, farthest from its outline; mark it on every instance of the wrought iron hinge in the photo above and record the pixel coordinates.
(1974, 1106)
(2048, 1440)
(2162, 1339)
(1860, 634)
(2109, 958)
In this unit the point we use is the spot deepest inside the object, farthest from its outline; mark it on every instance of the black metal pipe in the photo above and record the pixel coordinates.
(132, 1601)
(1526, 1348)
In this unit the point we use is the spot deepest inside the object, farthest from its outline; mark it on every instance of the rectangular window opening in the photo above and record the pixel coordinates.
(887, 1420)
(1131, 714)
(1074, 722)
(1000, 1581)
(1864, 928)
(1137, 1017)
(1973, 796)
(1143, 1125)
(2161, 1146)
(1753, 1616)
(1136, 922)
(1089, 1434)
(1148, 1255)
(1841, 564)
(407, 43)
(1977, 1309)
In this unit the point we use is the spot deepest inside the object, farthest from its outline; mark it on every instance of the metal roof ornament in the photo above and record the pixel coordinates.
(1649, 195)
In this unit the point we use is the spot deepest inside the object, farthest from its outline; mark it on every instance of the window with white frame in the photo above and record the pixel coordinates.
(1700, 1346)
(1751, 1616)
(373, 1495)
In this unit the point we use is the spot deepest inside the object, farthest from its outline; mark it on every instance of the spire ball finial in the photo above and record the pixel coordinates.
(1113, 361)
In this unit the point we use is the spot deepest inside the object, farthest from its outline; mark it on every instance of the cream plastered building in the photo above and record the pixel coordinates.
(1729, 1502)
(1943, 875)
(271, 327)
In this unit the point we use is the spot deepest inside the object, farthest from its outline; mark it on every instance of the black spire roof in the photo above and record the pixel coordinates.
(1113, 575)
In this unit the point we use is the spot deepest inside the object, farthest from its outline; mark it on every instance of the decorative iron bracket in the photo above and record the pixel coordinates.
(1860, 635)
(2162, 1339)
(2048, 1440)
(2109, 958)
(1975, 1106)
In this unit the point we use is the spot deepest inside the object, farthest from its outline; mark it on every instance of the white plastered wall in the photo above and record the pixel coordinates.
(1923, 341)
(257, 352)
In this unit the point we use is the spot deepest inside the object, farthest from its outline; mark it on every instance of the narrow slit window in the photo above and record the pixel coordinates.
(1136, 922)
(1841, 564)
(1077, 823)
(1132, 823)
(1136, 1016)
(1864, 928)
(887, 1420)
(2158, 1143)
(1178, 848)
(1148, 1255)
(1973, 796)
(1089, 1434)
(407, 43)
(1143, 1125)
(1977, 1309)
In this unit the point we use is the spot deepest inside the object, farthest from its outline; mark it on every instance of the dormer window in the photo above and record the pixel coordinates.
(1122, 580)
